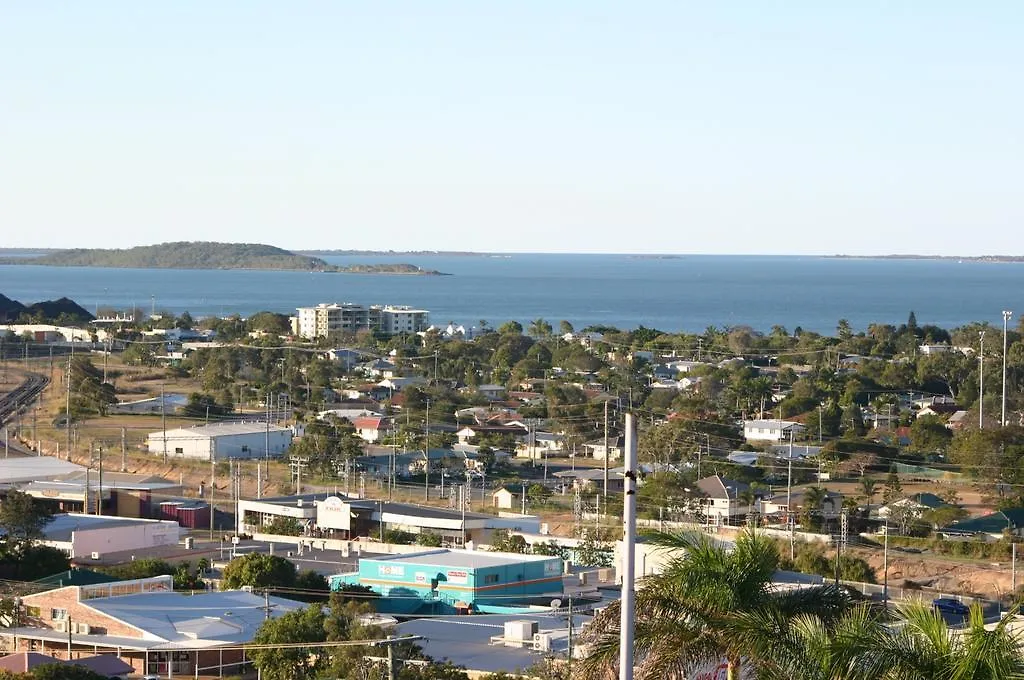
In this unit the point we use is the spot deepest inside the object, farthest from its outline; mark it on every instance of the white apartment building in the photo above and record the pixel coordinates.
(329, 318)
(402, 319)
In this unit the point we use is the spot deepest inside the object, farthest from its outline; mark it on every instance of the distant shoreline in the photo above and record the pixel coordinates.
(957, 258)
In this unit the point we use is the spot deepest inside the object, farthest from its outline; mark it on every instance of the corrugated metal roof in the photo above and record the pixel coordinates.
(218, 430)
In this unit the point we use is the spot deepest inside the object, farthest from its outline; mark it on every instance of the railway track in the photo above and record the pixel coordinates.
(21, 396)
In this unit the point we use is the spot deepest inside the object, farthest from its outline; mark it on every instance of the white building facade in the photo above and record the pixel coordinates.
(330, 318)
(221, 441)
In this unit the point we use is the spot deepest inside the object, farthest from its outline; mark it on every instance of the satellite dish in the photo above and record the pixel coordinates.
(556, 603)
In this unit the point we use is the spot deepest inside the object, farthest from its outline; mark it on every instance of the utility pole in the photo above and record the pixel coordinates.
(628, 600)
(1013, 567)
(124, 450)
(981, 382)
(67, 408)
(99, 491)
(163, 420)
(426, 455)
(213, 487)
(1006, 318)
(606, 452)
(885, 565)
(266, 436)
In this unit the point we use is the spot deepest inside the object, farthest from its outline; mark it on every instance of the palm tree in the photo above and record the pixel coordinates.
(539, 328)
(747, 498)
(691, 613)
(811, 648)
(814, 499)
(868, 488)
(923, 647)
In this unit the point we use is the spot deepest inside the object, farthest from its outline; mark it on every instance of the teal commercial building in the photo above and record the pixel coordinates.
(457, 581)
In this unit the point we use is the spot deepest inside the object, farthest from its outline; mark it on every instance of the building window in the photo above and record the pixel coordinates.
(58, 614)
(245, 449)
(178, 451)
(491, 578)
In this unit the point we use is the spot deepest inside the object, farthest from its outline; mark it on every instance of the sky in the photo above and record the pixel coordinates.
(796, 127)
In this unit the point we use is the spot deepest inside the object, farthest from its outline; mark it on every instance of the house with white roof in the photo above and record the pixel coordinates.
(540, 444)
(771, 430)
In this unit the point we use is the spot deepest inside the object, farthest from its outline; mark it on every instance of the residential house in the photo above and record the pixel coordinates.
(539, 445)
(958, 420)
(599, 451)
(681, 366)
(347, 357)
(992, 526)
(472, 432)
(721, 498)
(371, 429)
(771, 430)
(409, 463)
(783, 504)
(378, 368)
(591, 479)
(588, 340)
(796, 451)
(491, 392)
(915, 505)
(940, 409)
(397, 384)
(929, 350)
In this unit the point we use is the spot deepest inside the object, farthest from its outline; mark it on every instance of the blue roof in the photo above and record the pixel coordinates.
(992, 523)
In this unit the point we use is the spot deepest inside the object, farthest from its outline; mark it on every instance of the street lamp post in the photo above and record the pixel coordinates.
(1006, 319)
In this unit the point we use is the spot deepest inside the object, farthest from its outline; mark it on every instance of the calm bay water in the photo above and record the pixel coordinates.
(688, 293)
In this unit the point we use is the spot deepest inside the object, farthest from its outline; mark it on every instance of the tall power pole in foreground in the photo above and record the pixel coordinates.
(1006, 318)
(628, 603)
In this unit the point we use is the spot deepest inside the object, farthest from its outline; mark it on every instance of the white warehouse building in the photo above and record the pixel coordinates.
(222, 440)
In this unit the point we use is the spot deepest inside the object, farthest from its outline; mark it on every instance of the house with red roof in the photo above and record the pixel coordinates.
(371, 429)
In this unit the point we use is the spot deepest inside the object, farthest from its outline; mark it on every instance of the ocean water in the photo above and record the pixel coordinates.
(688, 293)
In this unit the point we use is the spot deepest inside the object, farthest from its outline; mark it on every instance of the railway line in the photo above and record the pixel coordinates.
(21, 396)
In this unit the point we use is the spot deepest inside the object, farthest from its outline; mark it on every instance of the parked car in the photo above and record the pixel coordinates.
(947, 605)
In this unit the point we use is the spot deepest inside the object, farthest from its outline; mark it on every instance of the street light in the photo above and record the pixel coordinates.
(1006, 318)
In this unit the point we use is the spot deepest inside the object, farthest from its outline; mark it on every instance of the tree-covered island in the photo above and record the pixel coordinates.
(207, 255)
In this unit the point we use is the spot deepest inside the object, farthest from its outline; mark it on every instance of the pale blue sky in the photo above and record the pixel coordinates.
(686, 127)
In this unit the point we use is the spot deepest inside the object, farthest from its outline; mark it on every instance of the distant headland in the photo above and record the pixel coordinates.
(202, 255)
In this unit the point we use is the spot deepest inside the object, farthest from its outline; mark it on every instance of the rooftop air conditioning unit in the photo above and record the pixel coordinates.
(62, 626)
(83, 629)
(247, 589)
(542, 642)
(520, 631)
(95, 555)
